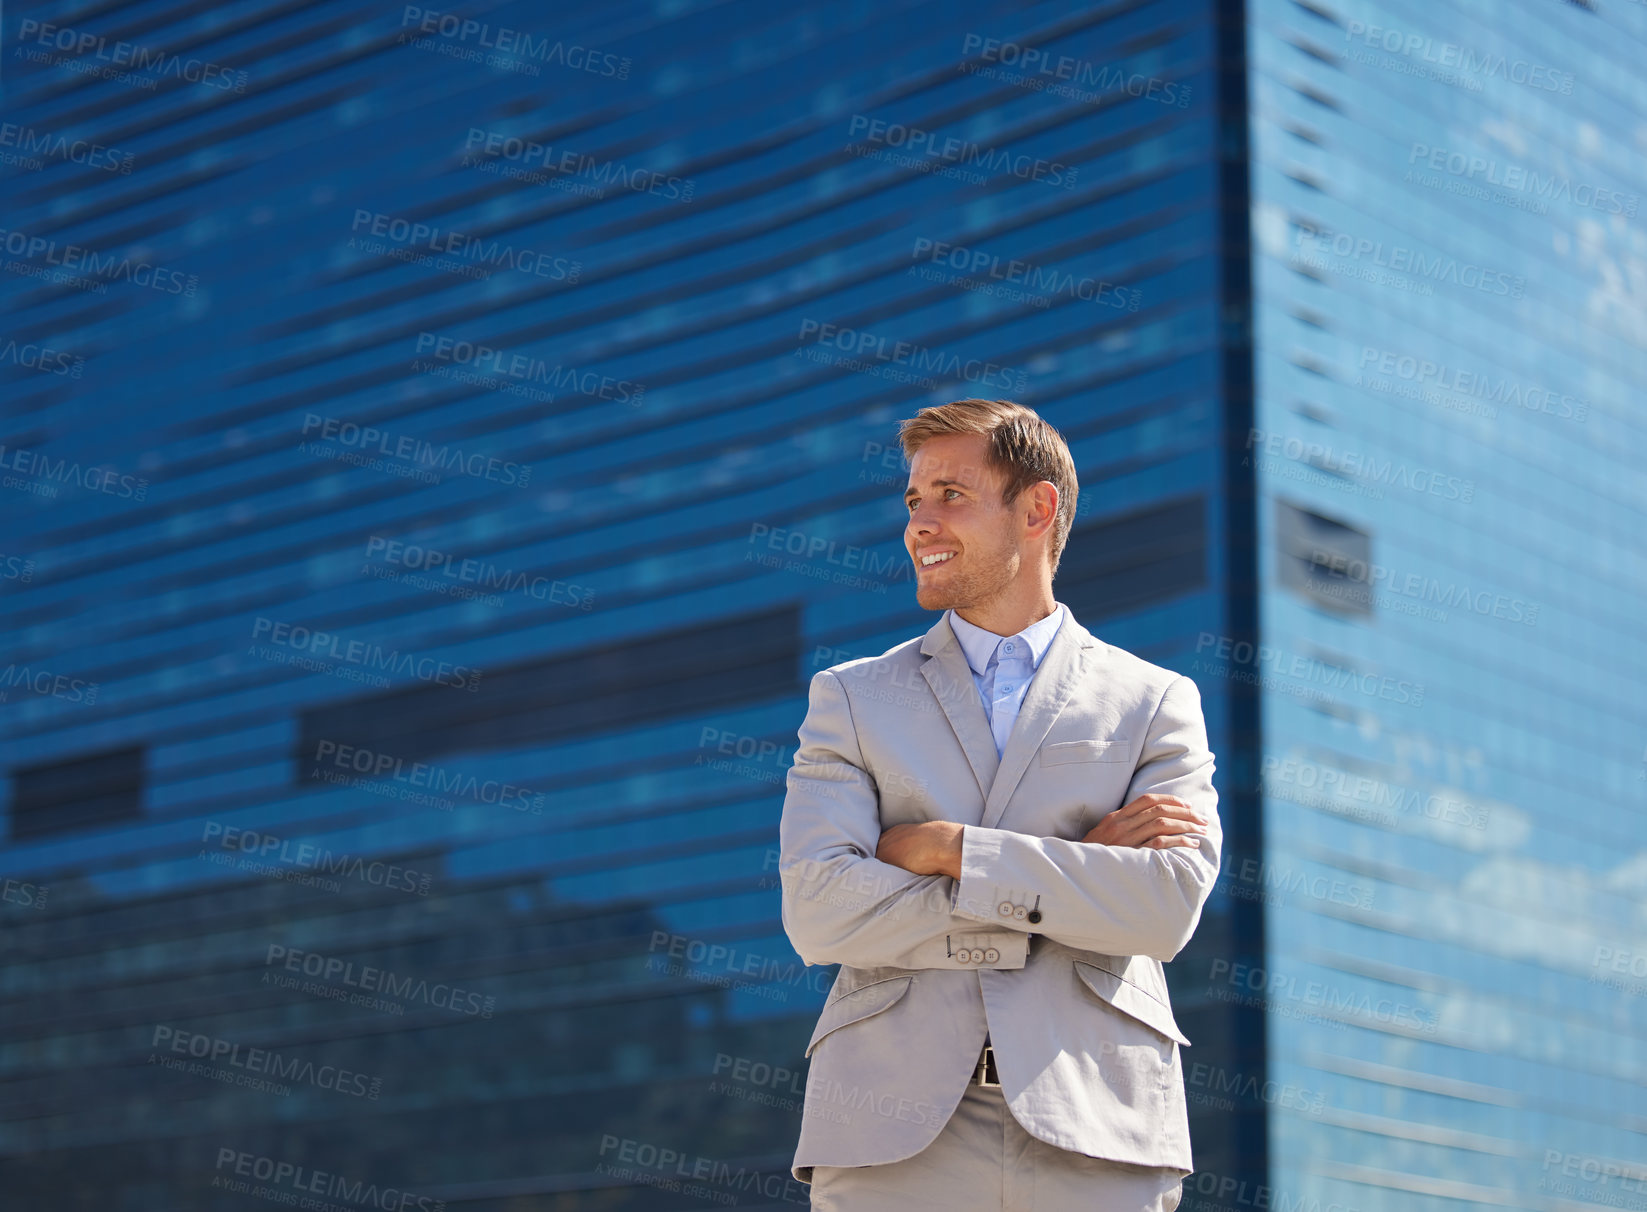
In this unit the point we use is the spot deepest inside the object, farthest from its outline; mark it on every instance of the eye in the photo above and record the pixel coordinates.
(956, 491)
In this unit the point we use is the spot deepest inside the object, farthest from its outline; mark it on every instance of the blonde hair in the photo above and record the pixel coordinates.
(1023, 447)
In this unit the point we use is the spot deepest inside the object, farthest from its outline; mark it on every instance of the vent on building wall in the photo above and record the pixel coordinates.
(1323, 560)
(90, 790)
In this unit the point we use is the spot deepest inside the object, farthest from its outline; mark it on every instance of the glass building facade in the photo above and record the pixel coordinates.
(1449, 329)
(440, 447)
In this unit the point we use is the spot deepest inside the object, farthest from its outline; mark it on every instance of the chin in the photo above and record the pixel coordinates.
(932, 599)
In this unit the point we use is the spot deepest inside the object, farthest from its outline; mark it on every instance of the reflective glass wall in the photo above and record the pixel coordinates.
(439, 448)
(1450, 323)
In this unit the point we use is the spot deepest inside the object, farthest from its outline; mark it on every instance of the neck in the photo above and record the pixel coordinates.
(1011, 613)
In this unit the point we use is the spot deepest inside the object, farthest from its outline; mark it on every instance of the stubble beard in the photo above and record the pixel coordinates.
(988, 574)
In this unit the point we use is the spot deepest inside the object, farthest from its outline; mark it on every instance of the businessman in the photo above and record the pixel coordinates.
(1000, 831)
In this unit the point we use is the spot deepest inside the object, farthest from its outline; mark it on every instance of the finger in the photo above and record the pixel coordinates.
(1163, 830)
(1175, 809)
(1152, 803)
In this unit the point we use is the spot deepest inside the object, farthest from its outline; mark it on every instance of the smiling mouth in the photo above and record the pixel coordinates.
(935, 559)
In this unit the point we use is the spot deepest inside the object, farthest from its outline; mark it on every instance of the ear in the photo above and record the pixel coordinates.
(1039, 506)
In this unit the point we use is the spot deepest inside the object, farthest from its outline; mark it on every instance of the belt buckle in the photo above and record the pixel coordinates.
(985, 1074)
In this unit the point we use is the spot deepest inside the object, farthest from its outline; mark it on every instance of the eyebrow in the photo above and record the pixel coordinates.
(910, 492)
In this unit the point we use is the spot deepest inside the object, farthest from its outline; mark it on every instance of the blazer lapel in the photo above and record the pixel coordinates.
(1068, 659)
(950, 677)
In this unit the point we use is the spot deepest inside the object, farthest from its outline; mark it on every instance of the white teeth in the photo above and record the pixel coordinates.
(928, 561)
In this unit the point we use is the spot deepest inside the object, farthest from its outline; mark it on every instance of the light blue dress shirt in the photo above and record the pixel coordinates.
(1004, 666)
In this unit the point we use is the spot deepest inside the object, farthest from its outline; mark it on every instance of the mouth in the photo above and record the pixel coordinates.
(933, 559)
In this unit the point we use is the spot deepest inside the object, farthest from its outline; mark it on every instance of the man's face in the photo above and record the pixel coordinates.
(955, 510)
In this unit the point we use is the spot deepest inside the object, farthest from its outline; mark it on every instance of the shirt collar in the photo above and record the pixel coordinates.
(979, 645)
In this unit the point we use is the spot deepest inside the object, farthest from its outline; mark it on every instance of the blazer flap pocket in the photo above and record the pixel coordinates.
(1113, 750)
(858, 1005)
(1130, 1000)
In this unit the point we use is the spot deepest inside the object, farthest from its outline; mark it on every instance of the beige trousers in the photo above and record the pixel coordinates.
(983, 1159)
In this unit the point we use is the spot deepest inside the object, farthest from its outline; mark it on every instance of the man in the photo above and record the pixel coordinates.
(1000, 831)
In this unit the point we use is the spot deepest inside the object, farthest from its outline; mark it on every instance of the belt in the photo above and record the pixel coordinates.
(984, 1074)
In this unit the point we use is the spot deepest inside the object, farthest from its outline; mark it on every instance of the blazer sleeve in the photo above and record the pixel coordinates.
(1116, 900)
(841, 904)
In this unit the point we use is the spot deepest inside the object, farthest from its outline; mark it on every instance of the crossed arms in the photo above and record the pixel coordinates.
(859, 895)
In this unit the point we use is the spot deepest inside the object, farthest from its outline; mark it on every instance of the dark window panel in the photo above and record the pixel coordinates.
(1128, 561)
(94, 789)
(1322, 559)
(678, 672)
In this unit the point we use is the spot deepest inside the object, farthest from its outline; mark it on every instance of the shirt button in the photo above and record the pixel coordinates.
(1007, 689)
(1007, 647)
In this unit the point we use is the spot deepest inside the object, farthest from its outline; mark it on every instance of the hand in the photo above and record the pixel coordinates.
(1154, 822)
(925, 848)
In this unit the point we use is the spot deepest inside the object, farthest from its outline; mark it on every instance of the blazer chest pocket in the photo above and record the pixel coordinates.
(1116, 749)
(863, 1002)
(1130, 1000)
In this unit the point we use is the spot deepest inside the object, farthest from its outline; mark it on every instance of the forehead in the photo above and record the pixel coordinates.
(956, 458)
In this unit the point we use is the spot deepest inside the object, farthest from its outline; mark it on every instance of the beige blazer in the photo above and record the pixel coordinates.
(1050, 946)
